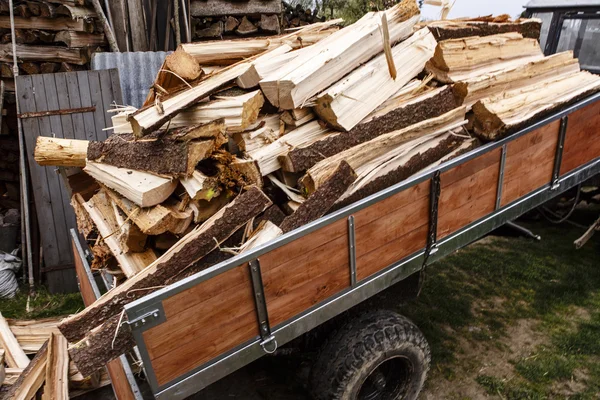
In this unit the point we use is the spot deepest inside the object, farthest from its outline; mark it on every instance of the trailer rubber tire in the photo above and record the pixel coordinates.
(374, 346)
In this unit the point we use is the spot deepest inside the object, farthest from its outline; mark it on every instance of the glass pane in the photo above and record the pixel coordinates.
(582, 36)
(546, 18)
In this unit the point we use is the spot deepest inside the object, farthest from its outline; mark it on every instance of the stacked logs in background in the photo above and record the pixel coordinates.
(296, 16)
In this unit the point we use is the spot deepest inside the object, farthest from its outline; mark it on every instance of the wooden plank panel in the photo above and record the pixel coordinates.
(533, 178)
(582, 142)
(74, 97)
(106, 90)
(96, 96)
(470, 167)
(86, 101)
(469, 212)
(196, 320)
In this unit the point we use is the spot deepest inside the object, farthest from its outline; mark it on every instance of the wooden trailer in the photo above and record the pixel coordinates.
(196, 331)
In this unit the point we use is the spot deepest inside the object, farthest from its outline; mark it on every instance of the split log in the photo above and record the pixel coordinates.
(15, 356)
(80, 39)
(227, 52)
(76, 12)
(57, 373)
(340, 53)
(214, 31)
(517, 76)
(246, 172)
(60, 152)
(210, 130)
(498, 115)
(101, 212)
(267, 131)
(203, 209)
(211, 8)
(31, 379)
(142, 188)
(265, 64)
(200, 186)
(183, 64)
(246, 27)
(30, 68)
(230, 24)
(461, 59)
(265, 233)
(396, 114)
(270, 24)
(85, 225)
(398, 165)
(290, 121)
(321, 200)
(44, 53)
(131, 238)
(48, 24)
(49, 67)
(385, 144)
(191, 248)
(353, 98)
(161, 157)
(267, 157)
(165, 217)
(455, 29)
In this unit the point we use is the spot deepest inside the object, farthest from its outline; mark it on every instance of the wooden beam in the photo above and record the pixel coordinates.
(187, 251)
(32, 377)
(142, 188)
(350, 100)
(137, 23)
(15, 356)
(340, 53)
(57, 373)
(60, 152)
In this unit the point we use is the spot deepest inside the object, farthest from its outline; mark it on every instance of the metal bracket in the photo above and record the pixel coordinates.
(144, 319)
(501, 177)
(352, 250)
(261, 307)
(434, 200)
(564, 122)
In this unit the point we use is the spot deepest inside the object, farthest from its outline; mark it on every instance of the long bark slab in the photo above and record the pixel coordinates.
(187, 251)
(408, 112)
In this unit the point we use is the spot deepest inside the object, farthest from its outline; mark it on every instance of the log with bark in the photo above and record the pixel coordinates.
(460, 28)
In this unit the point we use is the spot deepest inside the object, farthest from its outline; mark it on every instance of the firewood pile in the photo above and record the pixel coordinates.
(242, 141)
(48, 370)
(297, 16)
(52, 36)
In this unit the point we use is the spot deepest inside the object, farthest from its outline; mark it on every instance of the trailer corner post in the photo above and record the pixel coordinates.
(262, 314)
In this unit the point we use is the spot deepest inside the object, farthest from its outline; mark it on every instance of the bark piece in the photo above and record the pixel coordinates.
(142, 188)
(397, 114)
(246, 27)
(191, 248)
(60, 152)
(321, 200)
(454, 29)
(350, 100)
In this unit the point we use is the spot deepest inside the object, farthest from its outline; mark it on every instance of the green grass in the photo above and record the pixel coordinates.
(41, 304)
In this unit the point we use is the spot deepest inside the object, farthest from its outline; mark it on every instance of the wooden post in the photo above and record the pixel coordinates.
(139, 36)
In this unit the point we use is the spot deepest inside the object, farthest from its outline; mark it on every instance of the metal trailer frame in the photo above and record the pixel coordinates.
(147, 312)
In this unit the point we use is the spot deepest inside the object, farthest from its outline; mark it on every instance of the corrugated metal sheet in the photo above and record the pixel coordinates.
(562, 3)
(137, 72)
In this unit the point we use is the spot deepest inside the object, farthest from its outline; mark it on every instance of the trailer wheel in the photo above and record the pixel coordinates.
(378, 356)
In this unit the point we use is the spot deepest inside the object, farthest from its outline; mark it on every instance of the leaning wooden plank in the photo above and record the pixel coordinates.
(398, 165)
(321, 200)
(497, 116)
(211, 8)
(151, 118)
(57, 373)
(165, 217)
(15, 356)
(44, 53)
(350, 100)
(397, 114)
(48, 24)
(460, 59)
(101, 212)
(32, 377)
(517, 76)
(142, 188)
(162, 157)
(332, 58)
(455, 29)
(384, 144)
(188, 250)
(60, 152)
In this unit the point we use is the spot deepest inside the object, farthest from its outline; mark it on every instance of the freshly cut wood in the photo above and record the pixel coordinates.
(266, 232)
(31, 379)
(385, 144)
(288, 119)
(142, 188)
(151, 118)
(460, 59)
(101, 212)
(261, 66)
(57, 373)
(159, 156)
(227, 52)
(210, 130)
(80, 39)
(267, 156)
(517, 76)
(191, 248)
(45, 53)
(131, 238)
(267, 131)
(322, 199)
(47, 24)
(394, 167)
(397, 113)
(200, 186)
(15, 356)
(183, 65)
(455, 29)
(211, 8)
(498, 115)
(350, 100)
(246, 171)
(332, 58)
(60, 152)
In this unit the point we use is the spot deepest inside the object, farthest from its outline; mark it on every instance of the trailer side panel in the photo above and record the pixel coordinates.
(582, 143)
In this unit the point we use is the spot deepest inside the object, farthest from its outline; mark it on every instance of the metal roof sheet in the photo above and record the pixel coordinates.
(137, 71)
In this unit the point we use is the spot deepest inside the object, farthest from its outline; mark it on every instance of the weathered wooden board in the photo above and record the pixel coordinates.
(582, 143)
(48, 92)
